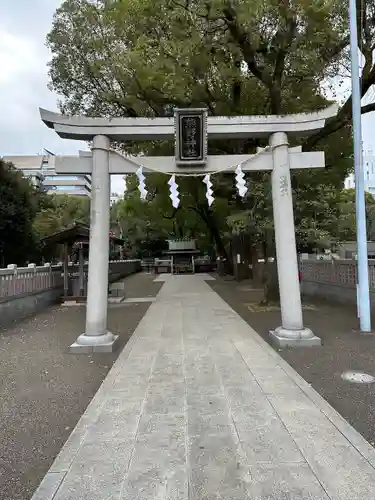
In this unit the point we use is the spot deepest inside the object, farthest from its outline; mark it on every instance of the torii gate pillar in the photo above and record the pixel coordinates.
(102, 162)
(96, 337)
(292, 331)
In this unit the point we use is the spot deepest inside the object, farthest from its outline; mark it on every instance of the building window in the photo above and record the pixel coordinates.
(63, 177)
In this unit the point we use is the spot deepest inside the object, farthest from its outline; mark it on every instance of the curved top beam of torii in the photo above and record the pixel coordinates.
(218, 127)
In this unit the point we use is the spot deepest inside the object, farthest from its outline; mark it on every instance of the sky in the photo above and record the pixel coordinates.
(24, 25)
(23, 84)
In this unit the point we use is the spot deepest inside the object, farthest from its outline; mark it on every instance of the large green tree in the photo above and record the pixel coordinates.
(235, 57)
(140, 57)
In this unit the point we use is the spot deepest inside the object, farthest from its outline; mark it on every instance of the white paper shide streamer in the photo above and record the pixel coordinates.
(141, 183)
(240, 182)
(209, 192)
(173, 190)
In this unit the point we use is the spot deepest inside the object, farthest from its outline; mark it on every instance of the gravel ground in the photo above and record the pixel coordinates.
(343, 349)
(45, 390)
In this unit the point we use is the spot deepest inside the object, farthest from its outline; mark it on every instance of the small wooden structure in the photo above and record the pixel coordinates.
(182, 257)
(75, 241)
(182, 254)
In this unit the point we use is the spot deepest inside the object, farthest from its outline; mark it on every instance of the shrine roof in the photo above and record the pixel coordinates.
(78, 232)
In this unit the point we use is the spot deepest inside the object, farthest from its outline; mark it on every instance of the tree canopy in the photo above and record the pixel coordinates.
(60, 212)
(28, 214)
(140, 57)
(19, 203)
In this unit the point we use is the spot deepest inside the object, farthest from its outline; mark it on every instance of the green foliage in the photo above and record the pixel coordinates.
(141, 222)
(18, 206)
(323, 216)
(136, 57)
(138, 221)
(60, 212)
(345, 211)
(27, 215)
(235, 57)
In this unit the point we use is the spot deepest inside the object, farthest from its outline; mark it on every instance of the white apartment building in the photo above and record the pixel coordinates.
(41, 170)
(369, 173)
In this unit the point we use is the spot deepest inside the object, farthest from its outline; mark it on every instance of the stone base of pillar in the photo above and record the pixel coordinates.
(282, 337)
(86, 344)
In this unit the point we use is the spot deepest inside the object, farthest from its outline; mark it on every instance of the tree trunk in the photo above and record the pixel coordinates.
(210, 222)
(221, 248)
(234, 251)
(271, 284)
(270, 276)
(257, 267)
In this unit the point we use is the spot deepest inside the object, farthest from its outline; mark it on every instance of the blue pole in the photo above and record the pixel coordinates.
(362, 259)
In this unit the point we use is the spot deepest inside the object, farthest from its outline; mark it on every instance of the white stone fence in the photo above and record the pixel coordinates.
(27, 290)
(335, 280)
(16, 281)
(19, 281)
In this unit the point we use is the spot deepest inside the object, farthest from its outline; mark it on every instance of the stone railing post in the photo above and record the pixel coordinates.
(34, 280)
(13, 267)
(50, 274)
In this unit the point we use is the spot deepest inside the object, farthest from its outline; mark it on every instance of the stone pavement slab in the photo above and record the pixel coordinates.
(199, 407)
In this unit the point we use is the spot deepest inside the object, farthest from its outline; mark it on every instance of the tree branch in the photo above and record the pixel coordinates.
(283, 39)
(242, 38)
(175, 210)
(328, 54)
(368, 108)
(344, 115)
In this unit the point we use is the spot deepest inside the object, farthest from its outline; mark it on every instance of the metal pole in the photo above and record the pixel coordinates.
(362, 259)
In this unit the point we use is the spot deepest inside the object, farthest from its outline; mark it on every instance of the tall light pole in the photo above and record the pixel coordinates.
(363, 299)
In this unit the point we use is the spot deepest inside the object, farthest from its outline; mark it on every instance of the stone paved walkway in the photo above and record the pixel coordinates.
(199, 407)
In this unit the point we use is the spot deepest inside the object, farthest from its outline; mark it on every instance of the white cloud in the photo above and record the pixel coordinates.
(18, 56)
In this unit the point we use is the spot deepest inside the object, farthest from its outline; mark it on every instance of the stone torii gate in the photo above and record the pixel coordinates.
(102, 162)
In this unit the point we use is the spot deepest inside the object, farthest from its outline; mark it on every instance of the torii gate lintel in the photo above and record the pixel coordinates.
(120, 164)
